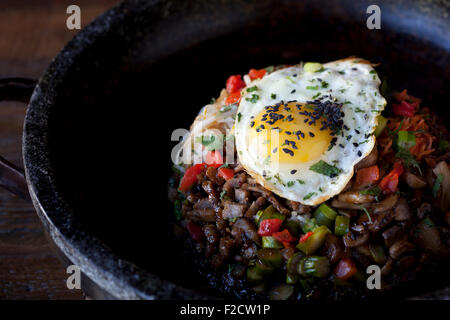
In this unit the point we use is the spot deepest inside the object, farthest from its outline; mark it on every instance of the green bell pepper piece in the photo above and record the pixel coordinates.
(258, 272)
(325, 215)
(315, 241)
(271, 242)
(312, 67)
(270, 213)
(382, 121)
(293, 227)
(342, 225)
(270, 257)
(314, 266)
(309, 225)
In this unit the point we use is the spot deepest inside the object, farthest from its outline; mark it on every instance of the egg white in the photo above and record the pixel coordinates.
(352, 82)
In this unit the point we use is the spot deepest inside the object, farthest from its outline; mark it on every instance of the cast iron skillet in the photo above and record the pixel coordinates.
(97, 132)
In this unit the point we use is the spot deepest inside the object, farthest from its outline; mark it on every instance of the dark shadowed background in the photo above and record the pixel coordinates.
(31, 34)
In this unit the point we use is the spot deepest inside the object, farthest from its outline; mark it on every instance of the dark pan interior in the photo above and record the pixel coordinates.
(110, 129)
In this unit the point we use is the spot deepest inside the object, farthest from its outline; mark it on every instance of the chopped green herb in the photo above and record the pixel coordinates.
(290, 79)
(324, 84)
(300, 181)
(290, 183)
(253, 98)
(372, 72)
(239, 115)
(408, 159)
(225, 108)
(392, 134)
(367, 213)
(309, 195)
(251, 89)
(374, 191)
(273, 96)
(358, 110)
(437, 185)
(326, 169)
(277, 176)
(312, 87)
(316, 95)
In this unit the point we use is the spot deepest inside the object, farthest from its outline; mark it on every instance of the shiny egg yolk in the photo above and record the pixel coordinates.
(288, 133)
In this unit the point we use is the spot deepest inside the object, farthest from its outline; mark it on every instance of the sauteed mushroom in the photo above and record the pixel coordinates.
(355, 197)
(386, 204)
(402, 211)
(357, 236)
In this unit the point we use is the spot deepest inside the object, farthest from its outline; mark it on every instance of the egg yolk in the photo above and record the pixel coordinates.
(290, 133)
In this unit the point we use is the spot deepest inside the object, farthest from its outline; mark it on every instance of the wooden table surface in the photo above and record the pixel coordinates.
(31, 34)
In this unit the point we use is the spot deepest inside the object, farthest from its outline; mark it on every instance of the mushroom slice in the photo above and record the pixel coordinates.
(355, 197)
(386, 204)
(401, 247)
(414, 181)
(357, 236)
(402, 211)
(380, 220)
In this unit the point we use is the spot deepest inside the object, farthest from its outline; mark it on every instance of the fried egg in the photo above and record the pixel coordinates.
(300, 131)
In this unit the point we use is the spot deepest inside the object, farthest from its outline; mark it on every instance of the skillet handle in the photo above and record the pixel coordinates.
(12, 177)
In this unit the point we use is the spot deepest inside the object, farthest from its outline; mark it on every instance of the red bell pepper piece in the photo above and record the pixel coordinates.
(284, 236)
(234, 97)
(304, 237)
(195, 231)
(256, 74)
(367, 176)
(269, 226)
(190, 177)
(235, 83)
(214, 159)
(226, 173)
(404, 109)
(345, 269)
(288, 244)
(390, 181)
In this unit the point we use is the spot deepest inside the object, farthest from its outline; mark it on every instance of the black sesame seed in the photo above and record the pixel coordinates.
(359, 153)
(293, 91)
(311, 134)
(357, 131)
(341, 145)
(355, 144)
(275, 150)
(293, 171)
(252, 124)
(289, 152)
